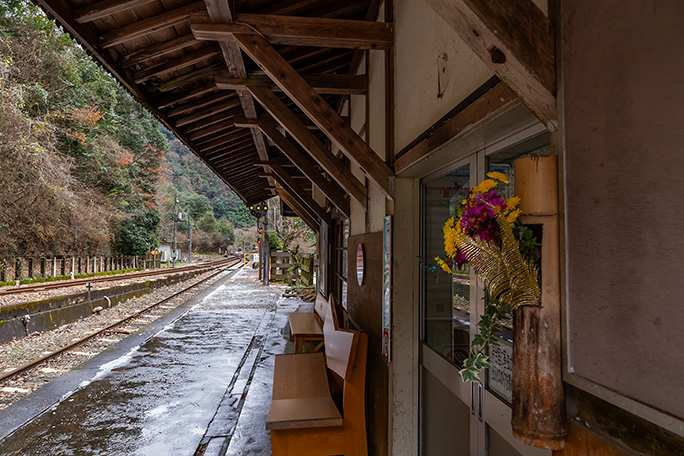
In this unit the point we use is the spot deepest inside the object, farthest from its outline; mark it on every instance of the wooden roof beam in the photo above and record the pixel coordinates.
(222, 142)
(176, 99)
(162, 21)
(227, 135)
(204, 73)
(336, 84)
(219, 118)
(294, 189)
(303, 214)
(188, 60)
(104, 8)
(514, 40)
(210, 130)
(267, 120)
(329, 162)
(202, 103)
(230, 105)
(220, 11)
(320, 112)
(332, 192)
(300, 31)
(157, 50)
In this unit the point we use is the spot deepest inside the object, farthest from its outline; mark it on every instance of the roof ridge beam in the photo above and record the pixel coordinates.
(300, 31)
(334, 84)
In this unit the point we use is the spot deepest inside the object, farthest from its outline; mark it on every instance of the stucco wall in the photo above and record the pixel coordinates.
(424, 93)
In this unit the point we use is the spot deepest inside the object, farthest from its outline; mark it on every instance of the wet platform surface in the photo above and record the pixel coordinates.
(197, 382)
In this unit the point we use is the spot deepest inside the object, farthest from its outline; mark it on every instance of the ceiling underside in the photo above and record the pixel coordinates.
(202, 87)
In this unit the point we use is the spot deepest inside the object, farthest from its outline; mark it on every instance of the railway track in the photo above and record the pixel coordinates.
(94, 342)
(72, 283)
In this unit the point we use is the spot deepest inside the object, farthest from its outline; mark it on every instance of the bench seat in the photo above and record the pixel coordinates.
(303, 418)
(307, 330)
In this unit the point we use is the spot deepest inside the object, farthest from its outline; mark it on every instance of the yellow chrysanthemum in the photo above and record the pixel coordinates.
(513, 216)
(498, 176)
(512, 203)
(485, 186)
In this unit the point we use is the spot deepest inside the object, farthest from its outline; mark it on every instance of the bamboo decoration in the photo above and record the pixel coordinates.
(538, 414)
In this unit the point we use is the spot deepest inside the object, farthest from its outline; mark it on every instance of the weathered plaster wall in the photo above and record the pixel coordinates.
(434, 69)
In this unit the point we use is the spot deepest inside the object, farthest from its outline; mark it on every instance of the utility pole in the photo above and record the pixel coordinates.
(175, 215)
(189, 239)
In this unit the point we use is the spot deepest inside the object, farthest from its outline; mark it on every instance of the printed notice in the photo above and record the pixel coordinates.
(500, 376)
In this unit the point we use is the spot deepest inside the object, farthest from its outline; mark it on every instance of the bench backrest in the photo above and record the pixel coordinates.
(340, 344)
(320, 304)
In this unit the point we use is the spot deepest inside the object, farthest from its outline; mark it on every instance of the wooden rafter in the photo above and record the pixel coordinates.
(210, 130)
(213, 99)
(332, 192)
(227, 106)
(336, 84)
(266, 119)
(221, 142)
(294, 189)
(213, 120)
(331, 164)
(159, 71)
(308, 218)
(158, 50)
(514, 40)
(220, 11)
(320, 112)
(204, 73)
(104, 8)
(300, 31)
(227, 135)
(176, 99)
(162, 21)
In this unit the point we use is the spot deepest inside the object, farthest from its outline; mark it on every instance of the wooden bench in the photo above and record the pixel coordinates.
(304, 419)
(306, 328)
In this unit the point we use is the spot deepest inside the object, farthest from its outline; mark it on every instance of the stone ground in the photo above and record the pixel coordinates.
(196, 382)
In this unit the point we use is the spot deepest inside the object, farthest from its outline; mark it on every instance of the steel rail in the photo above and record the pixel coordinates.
(72, 283)
(66, 348)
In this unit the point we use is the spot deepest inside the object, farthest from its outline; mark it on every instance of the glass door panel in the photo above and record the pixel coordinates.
(447, 296)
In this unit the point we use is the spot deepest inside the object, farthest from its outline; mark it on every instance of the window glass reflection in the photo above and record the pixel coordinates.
(447, 296)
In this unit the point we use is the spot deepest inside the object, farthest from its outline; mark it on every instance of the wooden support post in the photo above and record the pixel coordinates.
(538, 412)
(42, 267)
(54, 266)
(17, 269)
(3, 270)
(30, 267)
(63, 271)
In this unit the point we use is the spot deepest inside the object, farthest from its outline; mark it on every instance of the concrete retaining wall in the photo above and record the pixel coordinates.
(20, 320)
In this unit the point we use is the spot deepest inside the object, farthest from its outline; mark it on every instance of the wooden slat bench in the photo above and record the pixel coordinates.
(304, 419)
(306, 328)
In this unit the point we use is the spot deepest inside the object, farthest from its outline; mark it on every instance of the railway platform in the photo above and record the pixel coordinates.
(195, 382)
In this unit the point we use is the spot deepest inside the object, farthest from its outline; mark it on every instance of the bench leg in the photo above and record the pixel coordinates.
(299, 344)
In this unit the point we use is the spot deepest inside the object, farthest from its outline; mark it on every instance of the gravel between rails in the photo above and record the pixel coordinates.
(22, 351)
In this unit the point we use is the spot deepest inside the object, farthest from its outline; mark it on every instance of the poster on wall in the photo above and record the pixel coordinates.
(387, 288)
(322, 278)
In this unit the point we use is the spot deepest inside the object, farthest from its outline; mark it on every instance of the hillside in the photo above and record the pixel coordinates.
(84, 169)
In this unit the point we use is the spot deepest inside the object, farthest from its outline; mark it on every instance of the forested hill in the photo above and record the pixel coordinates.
(191, 175)
(83, 168)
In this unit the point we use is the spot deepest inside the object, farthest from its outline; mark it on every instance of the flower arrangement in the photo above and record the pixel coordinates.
(485, 234)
